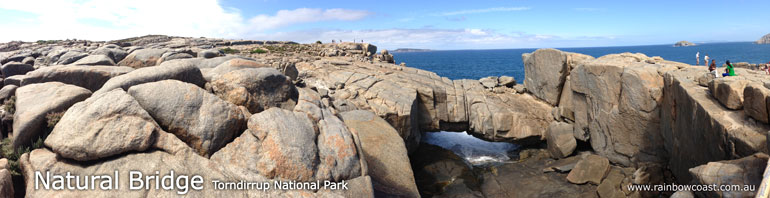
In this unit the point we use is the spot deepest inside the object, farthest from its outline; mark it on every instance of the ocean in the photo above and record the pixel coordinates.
(475, 64)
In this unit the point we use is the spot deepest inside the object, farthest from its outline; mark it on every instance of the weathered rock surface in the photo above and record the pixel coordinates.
(142, 58)
(698, 129)
(70, 57)
(6, 182)
(181, 71)
(616, 102)
(440, 172)
(385, 154)
(546, 71)
(561, 142)
(89, 77)
(34, 102)
(97, 59)
(591, 169)
(202, 120)
(102, 126)
(15, 68)
(743, 171)
(755, 99)
(729, 91)
(684, 44)
(7, 92)
(116, 55)
(764, 40)
(231, 65)
(256, 89)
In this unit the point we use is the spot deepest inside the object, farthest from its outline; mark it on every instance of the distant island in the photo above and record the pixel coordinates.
(684, 44)
(411, 50)
(764, 40)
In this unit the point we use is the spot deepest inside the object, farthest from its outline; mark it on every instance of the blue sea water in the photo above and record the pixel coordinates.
(475, 64)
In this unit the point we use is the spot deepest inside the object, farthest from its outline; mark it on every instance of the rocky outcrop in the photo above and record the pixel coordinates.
(546, 71)
(143, 58)
(764, 40)
(729, 91)
(591, 169)
(35, 102)
(16, 68)
(697, 128)
(684, 44)
(97, 59)
(256, 89)
(103, 126)
(385, 154)
(89, 77)
(6, 181)
(200, 119)
(181, 71)
(740, 172)
(561, 142)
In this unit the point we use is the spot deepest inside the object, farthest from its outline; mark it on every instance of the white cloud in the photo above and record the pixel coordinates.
(305, 15)
(107, 20)
(476, 11)
(431, 38)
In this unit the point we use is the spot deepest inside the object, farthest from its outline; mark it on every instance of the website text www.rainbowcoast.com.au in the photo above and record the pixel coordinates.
(691, 187)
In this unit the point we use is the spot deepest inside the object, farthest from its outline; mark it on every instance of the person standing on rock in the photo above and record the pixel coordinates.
(707, 59)
(697, 58)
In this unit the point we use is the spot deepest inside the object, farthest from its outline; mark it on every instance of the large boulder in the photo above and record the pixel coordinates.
(97, 59)
(561, 142)
(698, 129)
(202, 120)
(385, 154)
(231, 65)
(591, 169)
(729, 91)
(755, 101)
(16, 68)
(741, 172)
(289, 149)
(546, 71)
(115, 54)
(70, 57)
(6, 181)
(256, 89)
(7, 92)
(182, 71)
(103, 126)
(142, 58)
(34, 102)
(615, 104)
(89, 77)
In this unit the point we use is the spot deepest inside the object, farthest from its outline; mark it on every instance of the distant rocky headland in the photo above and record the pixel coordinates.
(684, 44)
(268, 111)
(411, 50)
(764, 40)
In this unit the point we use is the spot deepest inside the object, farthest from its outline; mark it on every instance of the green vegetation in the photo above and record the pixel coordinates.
(318, 42)
(7, 151)
(287, 48)
(53, 118)
(258, 51)
(47, 41)
(230, 51)
(10, 105)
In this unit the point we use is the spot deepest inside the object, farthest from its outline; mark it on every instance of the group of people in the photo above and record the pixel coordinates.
(729, 69)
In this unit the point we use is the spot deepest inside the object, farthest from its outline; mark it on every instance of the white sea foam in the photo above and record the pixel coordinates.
(475, 150)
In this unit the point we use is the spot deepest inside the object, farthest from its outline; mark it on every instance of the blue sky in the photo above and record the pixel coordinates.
(394, 24)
